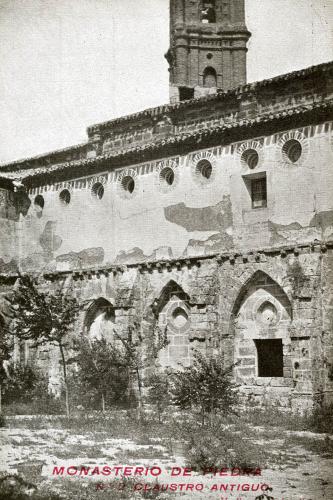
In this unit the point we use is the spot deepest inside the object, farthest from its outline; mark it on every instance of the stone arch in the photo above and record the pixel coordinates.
(171, 288)
(173, 316)
(99, 319)
(210, 77)
(261, 279)
(261, 318)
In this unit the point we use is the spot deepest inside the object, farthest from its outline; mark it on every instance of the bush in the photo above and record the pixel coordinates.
(26, 392)
(205, 385)
(20, 385)
(216, 447)
(321, 419)
(103, 376)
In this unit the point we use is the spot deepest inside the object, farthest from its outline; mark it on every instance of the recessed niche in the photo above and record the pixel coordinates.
(267, 314)
(179, 317)
(39, 201)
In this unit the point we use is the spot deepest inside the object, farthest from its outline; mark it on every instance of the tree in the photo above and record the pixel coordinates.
(44, 318)
(102, 367)
(5, 350)
(158, 391)
(140, 353)
(206, 385)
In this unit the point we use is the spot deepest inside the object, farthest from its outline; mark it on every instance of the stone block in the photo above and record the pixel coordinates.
(178, 351)
(248, 361)
(246, 372)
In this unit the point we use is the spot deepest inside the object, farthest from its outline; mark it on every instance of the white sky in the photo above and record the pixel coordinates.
(66, 64)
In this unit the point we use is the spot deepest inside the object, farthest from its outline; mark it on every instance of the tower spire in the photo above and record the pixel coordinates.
(207, 47)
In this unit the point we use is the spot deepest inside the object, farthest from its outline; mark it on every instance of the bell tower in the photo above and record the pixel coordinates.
(207, 47)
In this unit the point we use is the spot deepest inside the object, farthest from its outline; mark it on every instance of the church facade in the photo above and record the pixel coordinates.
(211, 216)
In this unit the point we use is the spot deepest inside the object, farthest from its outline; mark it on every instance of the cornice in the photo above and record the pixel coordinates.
(234, 257)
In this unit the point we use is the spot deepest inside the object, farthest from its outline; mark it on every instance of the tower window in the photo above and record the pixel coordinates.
(186, 93)
(210, 78)
(270, 358)
(208, 14)
(259, 192)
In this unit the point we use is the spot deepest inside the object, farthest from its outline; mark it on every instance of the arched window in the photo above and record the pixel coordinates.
(208, 14)
(210, 78)
(262, 315)
(172, 311)
(100, 319)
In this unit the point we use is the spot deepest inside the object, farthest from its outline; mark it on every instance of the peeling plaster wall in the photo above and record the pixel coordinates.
(13, 209)
(194, 216)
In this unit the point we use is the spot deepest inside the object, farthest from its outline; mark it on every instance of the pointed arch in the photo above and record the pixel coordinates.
(100, 319)
(171, 289)
(173, 317)
(209, 77)
(262, 280)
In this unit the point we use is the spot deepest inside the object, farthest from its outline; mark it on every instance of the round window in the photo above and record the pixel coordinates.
(39, 201)
(98, 190)
(128, 184)
(168, 175)
(251, 158)
(204, 168)
(292, 150)
(267, 314)
(65, 196)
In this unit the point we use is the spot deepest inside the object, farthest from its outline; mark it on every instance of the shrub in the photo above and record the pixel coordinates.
(216, 447)
(205, 385)
(102, 375)
(26, 392)
(20, 384)
(321, 419)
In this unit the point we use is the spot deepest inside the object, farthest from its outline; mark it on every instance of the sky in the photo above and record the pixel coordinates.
(67, 64)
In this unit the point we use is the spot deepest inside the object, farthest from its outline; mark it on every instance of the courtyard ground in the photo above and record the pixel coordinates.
(297, 464)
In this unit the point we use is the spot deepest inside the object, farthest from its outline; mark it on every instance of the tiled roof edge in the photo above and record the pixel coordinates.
(260, 119)
(248, 87)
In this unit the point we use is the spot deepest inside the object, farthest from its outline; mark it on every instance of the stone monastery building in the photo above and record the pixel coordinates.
(211, 216)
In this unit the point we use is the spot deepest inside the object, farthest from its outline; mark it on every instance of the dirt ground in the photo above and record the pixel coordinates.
(304, 471)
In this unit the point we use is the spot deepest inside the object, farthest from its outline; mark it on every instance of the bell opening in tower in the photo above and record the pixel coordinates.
(186, 93)
(208, 13)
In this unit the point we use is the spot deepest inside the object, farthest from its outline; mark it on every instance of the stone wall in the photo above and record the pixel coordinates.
(230, 304)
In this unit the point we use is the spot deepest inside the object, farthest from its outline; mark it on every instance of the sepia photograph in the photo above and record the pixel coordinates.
(166, 249)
